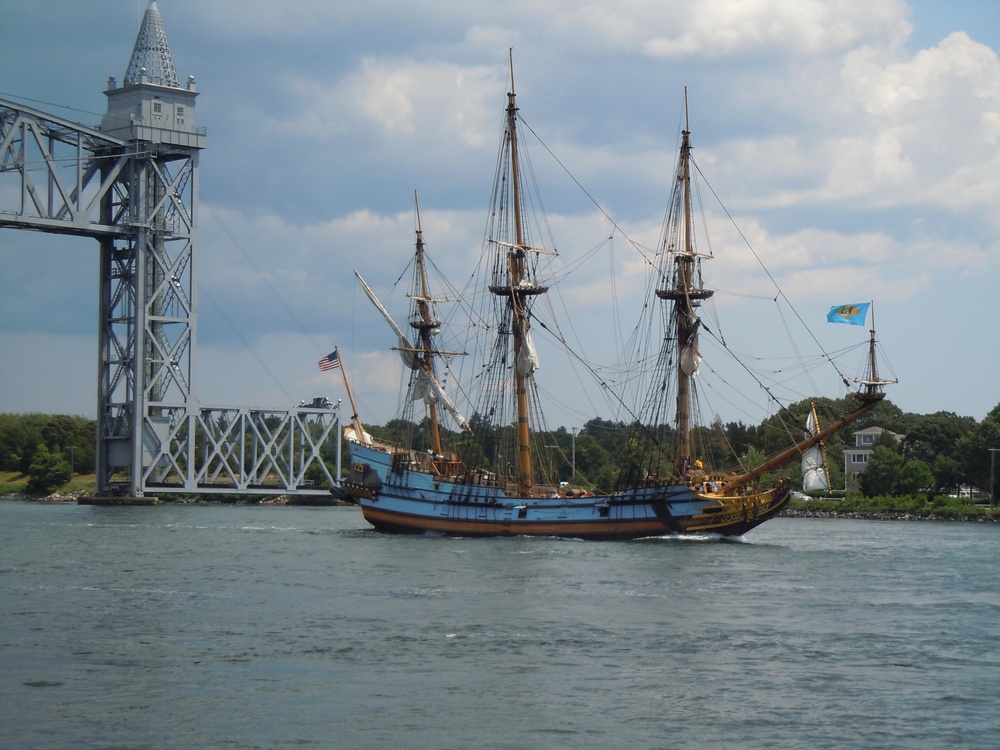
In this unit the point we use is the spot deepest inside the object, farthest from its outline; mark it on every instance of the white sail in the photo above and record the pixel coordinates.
(690, 359)
(432, 392)
(422, 389)
(426, 387)
(351, 433)
(813, 470)
(813, 476)
(527, 358)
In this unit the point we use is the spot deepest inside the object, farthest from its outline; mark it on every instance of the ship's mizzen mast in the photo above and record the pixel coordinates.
(425, 324)
(684, 289)
(432, 390)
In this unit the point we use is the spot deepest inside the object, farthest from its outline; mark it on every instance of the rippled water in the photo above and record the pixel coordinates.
(206, 626)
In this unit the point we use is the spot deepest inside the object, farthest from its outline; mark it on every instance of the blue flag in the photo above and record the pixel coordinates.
(851, 314)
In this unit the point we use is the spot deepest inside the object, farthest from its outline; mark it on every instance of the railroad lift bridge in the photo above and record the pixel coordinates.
(132, 184)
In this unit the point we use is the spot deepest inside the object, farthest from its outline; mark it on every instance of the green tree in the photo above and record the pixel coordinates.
(20, 434)
(935, 435)
(72, 437)
(882, 473)
(947, 473)
(48, 471)
(974, 450)
(590, 456)
(915, 477)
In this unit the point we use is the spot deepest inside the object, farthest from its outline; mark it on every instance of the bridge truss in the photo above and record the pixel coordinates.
(134, 188)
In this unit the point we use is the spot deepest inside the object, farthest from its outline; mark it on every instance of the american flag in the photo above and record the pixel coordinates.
(330, 362)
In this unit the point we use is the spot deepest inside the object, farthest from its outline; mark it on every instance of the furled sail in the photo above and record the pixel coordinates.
(814, 474)
(431, 391)
(405, 350)
(426, 386)
(690, 359)
(527, 358)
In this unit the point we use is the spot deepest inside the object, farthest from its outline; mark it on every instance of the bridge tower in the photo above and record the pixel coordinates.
(132, 184)
(146, 346)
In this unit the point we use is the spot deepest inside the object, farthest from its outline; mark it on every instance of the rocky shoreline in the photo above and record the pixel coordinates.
(884, 516)
(55, 498)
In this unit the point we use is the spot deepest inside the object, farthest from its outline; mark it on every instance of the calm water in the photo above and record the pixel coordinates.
(192, 626)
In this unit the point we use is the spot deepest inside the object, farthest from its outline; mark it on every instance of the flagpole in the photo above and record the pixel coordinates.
(358, 429)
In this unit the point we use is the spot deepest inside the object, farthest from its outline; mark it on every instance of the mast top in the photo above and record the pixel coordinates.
(510, 58)
(687, 119)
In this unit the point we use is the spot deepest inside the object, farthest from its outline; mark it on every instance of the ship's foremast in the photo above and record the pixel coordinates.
(869, 396)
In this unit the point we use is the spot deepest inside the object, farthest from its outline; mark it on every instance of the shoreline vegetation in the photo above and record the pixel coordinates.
(40, 455)
(918, 507)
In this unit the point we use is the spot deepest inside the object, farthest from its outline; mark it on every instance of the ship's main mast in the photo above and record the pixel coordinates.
(686, 293)
(516, 283)
(518, 318)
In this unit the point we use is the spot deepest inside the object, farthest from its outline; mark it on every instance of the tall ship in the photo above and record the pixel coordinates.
(489, 475)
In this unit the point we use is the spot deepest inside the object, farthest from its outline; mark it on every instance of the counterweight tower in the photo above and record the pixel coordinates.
(146, 359)
(132, 184)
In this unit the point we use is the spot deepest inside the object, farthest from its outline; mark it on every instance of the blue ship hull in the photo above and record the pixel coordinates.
(403, 498)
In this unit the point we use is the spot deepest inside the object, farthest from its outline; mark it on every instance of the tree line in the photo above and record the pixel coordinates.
(937, 453)
(48, 448)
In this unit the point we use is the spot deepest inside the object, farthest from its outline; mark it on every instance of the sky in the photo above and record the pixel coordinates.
(854, 143)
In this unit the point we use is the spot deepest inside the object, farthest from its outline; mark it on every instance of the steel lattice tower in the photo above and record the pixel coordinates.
(147, 294)
(132, 184)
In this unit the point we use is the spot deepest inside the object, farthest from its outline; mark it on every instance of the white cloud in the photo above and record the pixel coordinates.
(399, 101)
(932, 121)
(715, 28)
(853, 161)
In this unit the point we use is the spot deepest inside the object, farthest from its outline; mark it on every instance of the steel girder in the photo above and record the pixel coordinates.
(139, 200)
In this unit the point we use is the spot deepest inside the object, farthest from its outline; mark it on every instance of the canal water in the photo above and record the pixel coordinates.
(212, 626)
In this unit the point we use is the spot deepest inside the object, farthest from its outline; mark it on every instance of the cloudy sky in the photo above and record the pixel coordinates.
(855, 143)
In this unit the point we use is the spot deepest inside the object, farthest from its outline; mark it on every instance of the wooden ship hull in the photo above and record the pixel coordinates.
(399, 498)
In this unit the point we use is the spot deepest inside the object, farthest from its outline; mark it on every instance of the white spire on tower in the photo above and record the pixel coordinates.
(151, 54)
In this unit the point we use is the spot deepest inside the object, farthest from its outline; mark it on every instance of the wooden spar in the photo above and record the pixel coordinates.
(685, 294)
(519, 321)
(424, 310)
(870, 395)
(799, 448)
(686, 321)
(355, 421)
